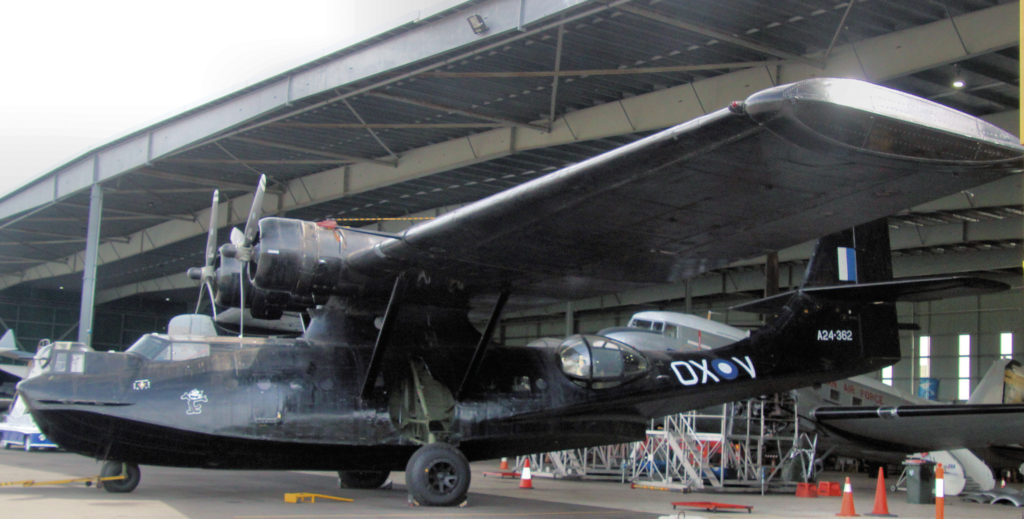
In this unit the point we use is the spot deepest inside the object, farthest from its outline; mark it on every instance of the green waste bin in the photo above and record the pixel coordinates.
(921, 483)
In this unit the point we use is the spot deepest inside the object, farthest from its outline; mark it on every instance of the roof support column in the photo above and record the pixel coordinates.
(92, 243)
(570, 319)
(689, 296)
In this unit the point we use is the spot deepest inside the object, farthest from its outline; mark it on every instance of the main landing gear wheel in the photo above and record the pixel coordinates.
(116, 468)
(366, 479)
(437, 475)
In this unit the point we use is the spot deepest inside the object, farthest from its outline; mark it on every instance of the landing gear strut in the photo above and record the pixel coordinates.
(131, 473)
(437, 475)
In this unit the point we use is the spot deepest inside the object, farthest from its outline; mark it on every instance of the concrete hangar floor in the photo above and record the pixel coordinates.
(171, 493)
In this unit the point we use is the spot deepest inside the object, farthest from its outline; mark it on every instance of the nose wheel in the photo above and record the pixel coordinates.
(437, 475)
(131, 478)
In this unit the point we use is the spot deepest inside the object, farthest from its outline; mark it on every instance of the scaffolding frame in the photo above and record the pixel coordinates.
(739, 445)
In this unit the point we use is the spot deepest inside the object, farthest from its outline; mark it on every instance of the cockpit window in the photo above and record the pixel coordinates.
(151, 347)
(640, 323)
(161, 350)
(600, 362)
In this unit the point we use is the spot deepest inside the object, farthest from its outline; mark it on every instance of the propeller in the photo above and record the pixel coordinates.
(206, 273)
(242, 242)
(232, 255)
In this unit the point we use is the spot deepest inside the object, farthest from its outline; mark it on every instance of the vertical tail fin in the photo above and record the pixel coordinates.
(1003, 383)
(841, 261)
(858, 255)
(841, 321)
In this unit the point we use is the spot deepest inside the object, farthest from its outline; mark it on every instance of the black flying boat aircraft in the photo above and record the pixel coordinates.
(390, 374)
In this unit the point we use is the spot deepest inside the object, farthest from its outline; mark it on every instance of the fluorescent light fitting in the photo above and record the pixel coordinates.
(476, 22)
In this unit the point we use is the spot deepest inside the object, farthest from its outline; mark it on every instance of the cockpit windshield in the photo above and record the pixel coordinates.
(160, 349)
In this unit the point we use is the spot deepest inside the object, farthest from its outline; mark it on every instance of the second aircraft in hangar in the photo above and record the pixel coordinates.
(390, 374)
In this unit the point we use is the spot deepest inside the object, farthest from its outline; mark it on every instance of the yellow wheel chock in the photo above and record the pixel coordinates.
(306, 497)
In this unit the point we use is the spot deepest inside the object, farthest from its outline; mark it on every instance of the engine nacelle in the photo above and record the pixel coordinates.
(227, 282)
(304, 259)
(262, 303)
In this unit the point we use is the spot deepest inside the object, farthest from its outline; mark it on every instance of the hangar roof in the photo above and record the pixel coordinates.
(441, 111)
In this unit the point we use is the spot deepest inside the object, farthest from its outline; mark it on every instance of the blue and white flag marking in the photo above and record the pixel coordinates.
(847, 264)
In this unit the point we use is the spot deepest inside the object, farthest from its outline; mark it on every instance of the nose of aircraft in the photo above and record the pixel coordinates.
(32, 390)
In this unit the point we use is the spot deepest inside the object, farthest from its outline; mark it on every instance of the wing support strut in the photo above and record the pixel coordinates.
(384, 336)
(481, 347)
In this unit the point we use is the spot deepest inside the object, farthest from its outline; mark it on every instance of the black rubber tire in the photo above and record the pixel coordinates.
(120, 486)
(364, 479)
(437, 475)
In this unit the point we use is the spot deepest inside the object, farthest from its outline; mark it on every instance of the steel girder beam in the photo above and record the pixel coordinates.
(177, 281)
(875, 59)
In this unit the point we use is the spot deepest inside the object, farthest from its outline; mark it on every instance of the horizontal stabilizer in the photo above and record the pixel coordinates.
(919, 289)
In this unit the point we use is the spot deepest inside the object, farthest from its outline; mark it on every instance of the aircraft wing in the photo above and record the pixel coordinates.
(20, 371)
(784, 166)
(916, 428)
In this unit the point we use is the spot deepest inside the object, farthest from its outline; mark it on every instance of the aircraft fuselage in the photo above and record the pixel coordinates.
(295, 403)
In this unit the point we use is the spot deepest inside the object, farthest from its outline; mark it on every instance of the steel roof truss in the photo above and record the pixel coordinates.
(718, 35)
(300, 149)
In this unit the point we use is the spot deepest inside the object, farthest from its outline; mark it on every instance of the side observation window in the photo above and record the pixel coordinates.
(576, 358)
(189, 350)
(599, 362)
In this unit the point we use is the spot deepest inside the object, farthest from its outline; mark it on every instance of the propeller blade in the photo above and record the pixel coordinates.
(211, 237)
(241, 291)
(256, 212)
(213, 304)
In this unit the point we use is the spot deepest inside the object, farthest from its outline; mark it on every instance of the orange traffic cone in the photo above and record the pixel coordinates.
(527, 480)
(846, 510)
(504, 464)
(881, 504)
(940, 493)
